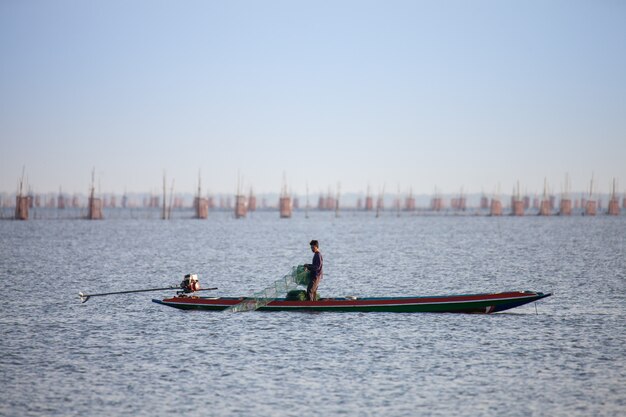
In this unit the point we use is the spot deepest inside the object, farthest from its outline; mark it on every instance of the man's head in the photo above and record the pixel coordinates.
(314, 245)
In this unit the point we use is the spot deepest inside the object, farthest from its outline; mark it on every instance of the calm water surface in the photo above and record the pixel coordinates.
(124, 355)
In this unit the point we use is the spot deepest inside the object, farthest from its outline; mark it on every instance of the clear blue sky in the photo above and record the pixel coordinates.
(444, 94)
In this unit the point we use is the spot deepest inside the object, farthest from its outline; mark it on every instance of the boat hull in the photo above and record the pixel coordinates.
(469, 303)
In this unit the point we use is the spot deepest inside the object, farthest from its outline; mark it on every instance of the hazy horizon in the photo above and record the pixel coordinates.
(416, 95)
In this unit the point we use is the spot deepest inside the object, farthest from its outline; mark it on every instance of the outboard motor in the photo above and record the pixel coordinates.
(190, 283)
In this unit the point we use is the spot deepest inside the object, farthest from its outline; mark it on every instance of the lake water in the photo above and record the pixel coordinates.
(124, 355)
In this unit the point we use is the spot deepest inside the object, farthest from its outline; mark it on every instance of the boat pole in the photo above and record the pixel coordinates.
(85, 297)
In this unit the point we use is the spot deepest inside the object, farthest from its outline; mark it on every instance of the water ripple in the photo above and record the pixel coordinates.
(128, 356)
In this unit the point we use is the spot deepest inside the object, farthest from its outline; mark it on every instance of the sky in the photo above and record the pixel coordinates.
(421, 95)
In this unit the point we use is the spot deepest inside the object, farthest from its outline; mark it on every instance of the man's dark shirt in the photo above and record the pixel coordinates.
(317, 265)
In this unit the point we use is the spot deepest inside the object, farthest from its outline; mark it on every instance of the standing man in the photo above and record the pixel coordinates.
(316, 271)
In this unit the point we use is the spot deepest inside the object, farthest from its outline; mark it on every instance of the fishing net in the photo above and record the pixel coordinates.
(296, 277)
(302, 276)
(299, 295)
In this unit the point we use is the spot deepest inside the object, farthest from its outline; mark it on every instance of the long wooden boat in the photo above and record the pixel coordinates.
(468, 303)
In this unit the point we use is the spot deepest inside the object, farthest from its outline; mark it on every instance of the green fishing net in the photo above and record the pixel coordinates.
(298, 276)
(302, 276)
(299, 295)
